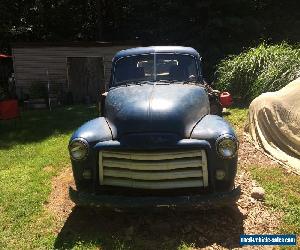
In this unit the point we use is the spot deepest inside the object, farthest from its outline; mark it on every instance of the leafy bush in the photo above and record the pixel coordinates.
(262, 69)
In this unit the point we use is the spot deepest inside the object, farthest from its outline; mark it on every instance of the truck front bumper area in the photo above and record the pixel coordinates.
(117, 201)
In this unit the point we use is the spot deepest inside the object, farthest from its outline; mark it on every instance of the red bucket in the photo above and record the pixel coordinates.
(226, 99)
(9, 109)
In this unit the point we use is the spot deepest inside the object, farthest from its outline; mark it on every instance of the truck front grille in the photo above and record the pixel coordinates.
(153, 170)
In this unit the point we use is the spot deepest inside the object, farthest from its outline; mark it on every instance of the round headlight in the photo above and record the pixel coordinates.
(227, 147)
(78, 149)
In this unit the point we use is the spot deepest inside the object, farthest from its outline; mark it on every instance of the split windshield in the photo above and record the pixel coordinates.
(155, 67)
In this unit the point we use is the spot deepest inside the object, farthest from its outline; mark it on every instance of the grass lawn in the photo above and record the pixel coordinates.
(34, 149)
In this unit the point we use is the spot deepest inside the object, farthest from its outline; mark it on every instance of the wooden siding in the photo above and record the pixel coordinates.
(85, 78)
(31, 63)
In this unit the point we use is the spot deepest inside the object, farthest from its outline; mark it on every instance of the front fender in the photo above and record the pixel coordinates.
(210, 128)
(94, 131)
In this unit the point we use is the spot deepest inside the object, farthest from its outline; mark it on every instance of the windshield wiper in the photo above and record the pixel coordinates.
(177, 81)
(190, 81)
(166, 81)
(130, 83)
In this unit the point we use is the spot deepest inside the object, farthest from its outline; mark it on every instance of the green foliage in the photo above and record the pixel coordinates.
(258, 70)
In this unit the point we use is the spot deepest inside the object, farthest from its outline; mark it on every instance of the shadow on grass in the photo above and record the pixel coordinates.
(37, 125)
(146, 229)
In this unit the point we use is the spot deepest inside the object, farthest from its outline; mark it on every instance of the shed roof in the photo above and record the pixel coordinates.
(73, 44)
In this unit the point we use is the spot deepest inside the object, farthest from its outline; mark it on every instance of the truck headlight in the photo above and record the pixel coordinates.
(227, 146)
(78, 149)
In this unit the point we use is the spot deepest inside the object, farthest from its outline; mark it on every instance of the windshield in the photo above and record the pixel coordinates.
(155, 67)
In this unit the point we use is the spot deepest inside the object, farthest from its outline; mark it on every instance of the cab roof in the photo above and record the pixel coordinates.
(156, 49)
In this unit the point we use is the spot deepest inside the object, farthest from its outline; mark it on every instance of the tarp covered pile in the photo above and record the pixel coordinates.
(274, 124)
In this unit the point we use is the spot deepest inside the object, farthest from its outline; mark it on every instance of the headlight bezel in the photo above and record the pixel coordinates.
(84, 143)
(227, 137)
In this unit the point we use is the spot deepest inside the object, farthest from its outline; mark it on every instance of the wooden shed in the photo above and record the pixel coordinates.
(44, 62)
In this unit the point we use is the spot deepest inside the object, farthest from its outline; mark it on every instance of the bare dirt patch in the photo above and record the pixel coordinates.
(59, 203)
(251, 155)
(144, 229)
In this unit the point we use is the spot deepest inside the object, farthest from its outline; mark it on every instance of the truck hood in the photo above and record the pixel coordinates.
(152, 108)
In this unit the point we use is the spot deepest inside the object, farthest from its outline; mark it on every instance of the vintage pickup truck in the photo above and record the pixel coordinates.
(156, 143)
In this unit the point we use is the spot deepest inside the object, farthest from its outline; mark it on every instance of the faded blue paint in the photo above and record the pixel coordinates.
(93, 131)
(169, 108)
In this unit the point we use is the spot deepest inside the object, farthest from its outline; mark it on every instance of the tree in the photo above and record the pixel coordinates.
(216, 28)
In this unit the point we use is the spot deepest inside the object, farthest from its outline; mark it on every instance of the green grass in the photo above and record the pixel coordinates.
(237, 116)
(28, 147)
(282, 193)
(34, 149)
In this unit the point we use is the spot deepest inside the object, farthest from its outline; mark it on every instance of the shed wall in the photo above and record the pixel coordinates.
(31, 63)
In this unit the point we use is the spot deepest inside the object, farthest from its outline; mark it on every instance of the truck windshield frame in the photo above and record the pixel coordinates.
(153, 67)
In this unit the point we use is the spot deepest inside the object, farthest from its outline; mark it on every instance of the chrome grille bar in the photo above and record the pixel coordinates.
(153, 170)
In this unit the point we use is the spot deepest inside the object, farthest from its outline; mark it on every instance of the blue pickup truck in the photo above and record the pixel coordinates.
(157, 142)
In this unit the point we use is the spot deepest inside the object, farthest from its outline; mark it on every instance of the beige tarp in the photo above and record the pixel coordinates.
(274, 124)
